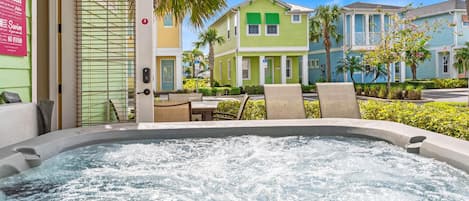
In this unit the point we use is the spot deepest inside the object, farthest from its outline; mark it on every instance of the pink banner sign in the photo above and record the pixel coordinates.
(13, 27)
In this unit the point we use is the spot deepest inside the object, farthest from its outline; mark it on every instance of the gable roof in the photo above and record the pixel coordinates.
(292, 8)
(361, 5)
(445, 6)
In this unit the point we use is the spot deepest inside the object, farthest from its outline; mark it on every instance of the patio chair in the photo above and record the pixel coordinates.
(172, 111)
(230, 116)
(117, 110)
(338, 100)
(284, 101)
(185, 97)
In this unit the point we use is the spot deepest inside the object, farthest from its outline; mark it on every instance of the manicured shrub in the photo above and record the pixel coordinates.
(358, 89)
(382, 92)
(191, 84)
(445, 118)
(373, 91)
(235, 91)
(255, 89)
(395, 93)
(205, 91)
(308, 88)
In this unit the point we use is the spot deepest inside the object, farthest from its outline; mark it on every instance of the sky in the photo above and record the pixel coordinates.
(190, 34)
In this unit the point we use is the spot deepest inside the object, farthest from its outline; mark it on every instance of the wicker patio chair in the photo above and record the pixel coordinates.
(284, 101)
(338, 100)
(169, 111)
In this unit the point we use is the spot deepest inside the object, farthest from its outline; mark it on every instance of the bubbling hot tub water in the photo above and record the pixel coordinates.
(240, 168)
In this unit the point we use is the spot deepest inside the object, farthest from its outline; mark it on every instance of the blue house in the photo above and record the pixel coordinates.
(453, 34)
(362, 25)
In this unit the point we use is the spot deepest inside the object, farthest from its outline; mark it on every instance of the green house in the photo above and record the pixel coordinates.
(266, 43)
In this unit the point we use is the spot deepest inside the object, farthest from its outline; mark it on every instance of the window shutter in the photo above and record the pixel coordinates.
(272, 18)
(253, 18)
(105, 56)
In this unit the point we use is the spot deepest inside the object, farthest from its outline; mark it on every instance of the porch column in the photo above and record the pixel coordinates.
(262, 65)
(304, 70)
(239, 71)
(367, 29)
(178, 71)
(402, 72)
(144, 59)
(382, 23)
(283, 69)
(352, 29)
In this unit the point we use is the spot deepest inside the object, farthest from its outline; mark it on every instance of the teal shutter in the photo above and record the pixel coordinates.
(253, 18)
(272, 18)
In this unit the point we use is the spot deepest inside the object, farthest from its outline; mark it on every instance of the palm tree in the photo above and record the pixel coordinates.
(190, 57)
(210, 38)
(197, 11)
(414, 57)
(462, 61)
(350, 64)
(323, 26)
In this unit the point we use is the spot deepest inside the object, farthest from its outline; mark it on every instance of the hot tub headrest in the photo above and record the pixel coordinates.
(18, 122)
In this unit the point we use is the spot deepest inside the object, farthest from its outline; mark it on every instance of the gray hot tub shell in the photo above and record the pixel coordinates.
(30, 153)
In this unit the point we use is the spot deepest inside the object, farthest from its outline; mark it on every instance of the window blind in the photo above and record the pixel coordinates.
(105, 57)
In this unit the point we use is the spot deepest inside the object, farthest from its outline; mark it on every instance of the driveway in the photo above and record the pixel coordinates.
(446, 95)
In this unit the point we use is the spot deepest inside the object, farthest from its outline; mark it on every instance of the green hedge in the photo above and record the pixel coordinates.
(446, 118)
(220, 91)
(439, 83)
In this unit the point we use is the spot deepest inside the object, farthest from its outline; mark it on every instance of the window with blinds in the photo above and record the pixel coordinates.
(105, 53)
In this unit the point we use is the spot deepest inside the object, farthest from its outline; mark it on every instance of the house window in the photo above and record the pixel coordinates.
(221, 70)
(289, 68)
(445, 63)
(272, 21)
(314, 63)
(271, 30)
(253, 22)
(228, 24)
(296, 18)
(246, 69)
(253, 29)
(229, 70)
(168, 20)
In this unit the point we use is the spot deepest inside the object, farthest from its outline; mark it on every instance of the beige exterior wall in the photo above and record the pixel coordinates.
(168, 37)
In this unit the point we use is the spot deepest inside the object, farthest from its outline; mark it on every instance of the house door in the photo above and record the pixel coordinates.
(444, 65)
(167, 75)
(269, 71)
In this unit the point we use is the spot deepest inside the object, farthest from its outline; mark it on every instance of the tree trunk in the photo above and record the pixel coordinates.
(211, 61)
(193, 70)
(328, 64)
(327, 45)
(351, 76)
(388, 84)
(413, 67)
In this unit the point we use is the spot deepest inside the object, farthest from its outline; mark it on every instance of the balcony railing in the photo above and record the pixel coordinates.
(360, 38)
(374, 38)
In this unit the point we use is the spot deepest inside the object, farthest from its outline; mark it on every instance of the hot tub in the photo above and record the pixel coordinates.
(320, 159)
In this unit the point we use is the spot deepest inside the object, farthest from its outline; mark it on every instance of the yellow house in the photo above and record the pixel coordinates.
(168, 54)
